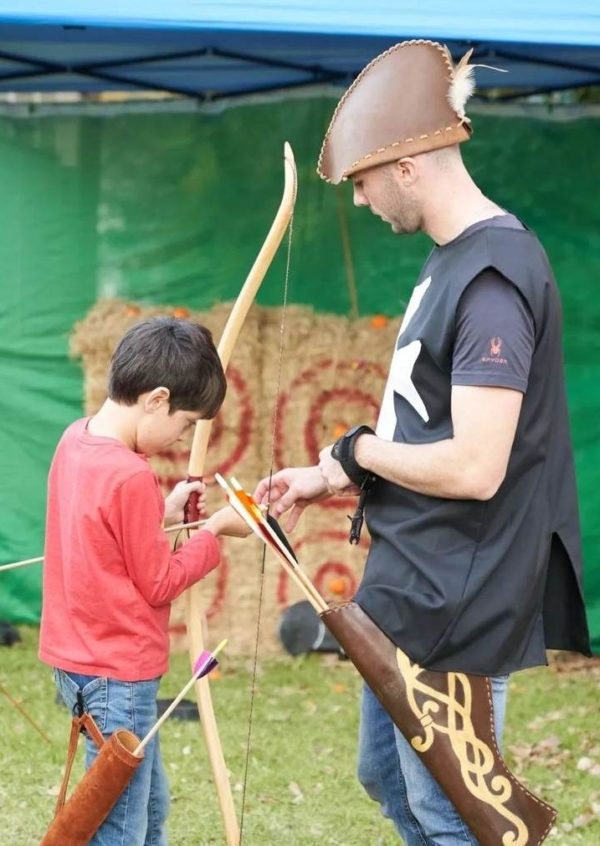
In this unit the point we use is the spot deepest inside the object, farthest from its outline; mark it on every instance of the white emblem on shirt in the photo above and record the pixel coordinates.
(414, 303)
(400, 376)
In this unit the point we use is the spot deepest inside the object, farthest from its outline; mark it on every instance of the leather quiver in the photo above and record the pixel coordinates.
(448, 720)
(77, 819)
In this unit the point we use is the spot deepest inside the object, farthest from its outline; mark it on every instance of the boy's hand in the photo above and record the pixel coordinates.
(176, 500)
(295, 488)
(227, 522)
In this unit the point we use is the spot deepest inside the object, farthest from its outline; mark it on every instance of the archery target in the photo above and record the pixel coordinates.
(332, 564)
(330, 376)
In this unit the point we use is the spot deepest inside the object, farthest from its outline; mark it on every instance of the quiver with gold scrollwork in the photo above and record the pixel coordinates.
(448, 719)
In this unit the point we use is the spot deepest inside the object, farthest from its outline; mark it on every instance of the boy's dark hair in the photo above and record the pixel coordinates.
(177, 354)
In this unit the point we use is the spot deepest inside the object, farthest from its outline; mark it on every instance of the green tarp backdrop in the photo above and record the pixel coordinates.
(171, 207)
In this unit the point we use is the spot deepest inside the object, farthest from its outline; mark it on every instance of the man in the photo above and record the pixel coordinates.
(474, 563)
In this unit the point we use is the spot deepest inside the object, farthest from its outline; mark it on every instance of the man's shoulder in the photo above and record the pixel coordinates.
(511, 250)
(506, 231)
(501, 229)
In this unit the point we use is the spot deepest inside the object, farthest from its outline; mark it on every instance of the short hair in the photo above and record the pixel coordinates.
(445, 157)
(177, 354)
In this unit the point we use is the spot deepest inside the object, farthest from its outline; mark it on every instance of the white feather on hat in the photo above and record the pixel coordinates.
(462, 85)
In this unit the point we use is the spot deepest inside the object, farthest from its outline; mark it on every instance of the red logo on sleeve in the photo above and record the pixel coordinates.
(495, 354)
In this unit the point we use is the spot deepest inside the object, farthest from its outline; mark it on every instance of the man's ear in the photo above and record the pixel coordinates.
(406, 171)
(156, 399)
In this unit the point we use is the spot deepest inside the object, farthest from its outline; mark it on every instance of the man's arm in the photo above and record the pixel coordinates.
(470, 465)
(487, 393)
(486, 398)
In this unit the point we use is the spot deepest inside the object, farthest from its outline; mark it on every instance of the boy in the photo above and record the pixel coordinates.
(109, 573)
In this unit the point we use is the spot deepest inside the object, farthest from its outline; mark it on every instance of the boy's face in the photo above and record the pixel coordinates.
(158, 429)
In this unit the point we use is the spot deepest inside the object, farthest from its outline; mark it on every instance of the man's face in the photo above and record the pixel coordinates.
(382, 190)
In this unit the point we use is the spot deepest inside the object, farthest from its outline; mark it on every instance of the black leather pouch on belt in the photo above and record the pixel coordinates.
(448, 719)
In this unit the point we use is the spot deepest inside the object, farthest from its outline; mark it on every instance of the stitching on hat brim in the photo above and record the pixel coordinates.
(436, 136)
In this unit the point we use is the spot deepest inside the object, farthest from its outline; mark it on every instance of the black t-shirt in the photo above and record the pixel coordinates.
(467, 585)
(495, 334)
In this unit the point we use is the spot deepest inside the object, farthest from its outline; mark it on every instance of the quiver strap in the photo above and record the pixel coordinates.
(448, 719)
(78, 819)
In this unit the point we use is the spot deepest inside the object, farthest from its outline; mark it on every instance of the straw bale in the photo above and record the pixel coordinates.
(330, 376)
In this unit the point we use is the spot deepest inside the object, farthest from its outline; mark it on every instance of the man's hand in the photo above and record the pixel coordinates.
(331, 470)
(176, 500)
(293, 488)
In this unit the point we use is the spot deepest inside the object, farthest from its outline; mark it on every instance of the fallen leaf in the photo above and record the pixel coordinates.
(296, 793)
(584, 819)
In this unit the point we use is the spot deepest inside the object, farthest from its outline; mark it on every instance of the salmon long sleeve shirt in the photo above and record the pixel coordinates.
(109, 573)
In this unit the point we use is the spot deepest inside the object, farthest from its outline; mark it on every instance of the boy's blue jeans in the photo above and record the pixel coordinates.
(138, 818)
(392, 774)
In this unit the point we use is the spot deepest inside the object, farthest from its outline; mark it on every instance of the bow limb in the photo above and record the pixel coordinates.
(194, 612)
(245, 299)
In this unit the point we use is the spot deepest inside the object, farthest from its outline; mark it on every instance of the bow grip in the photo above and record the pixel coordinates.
(191, 510)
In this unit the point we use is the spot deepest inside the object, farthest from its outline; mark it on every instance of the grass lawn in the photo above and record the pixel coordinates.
(301, 787)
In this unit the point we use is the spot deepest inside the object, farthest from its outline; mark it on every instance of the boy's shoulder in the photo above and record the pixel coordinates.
(99, 455)
(74, 430)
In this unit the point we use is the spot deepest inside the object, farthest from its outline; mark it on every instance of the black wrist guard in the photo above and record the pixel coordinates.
(343, 451)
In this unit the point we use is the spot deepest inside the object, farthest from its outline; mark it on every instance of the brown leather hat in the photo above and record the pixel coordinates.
(408, 100)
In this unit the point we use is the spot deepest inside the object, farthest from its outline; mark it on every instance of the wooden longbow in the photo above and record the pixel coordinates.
(194, 615)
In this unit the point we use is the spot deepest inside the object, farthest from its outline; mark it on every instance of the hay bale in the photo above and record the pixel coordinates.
(331, 376)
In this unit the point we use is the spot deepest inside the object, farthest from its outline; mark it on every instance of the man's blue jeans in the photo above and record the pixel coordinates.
(138, 818)
(392, 774)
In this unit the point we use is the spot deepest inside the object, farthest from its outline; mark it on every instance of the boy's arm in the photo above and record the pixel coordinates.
(136, 517)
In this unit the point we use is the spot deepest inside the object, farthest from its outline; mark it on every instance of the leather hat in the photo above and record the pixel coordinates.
(408, 100)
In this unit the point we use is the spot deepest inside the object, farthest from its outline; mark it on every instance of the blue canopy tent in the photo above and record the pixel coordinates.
(211, 50)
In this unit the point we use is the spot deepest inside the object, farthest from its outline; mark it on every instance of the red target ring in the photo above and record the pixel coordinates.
(218, 597)
(314, 426)
(242, 424)
(326, 569)
(351, 403)
(241, 415)
(335, 580)
(220, 591)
